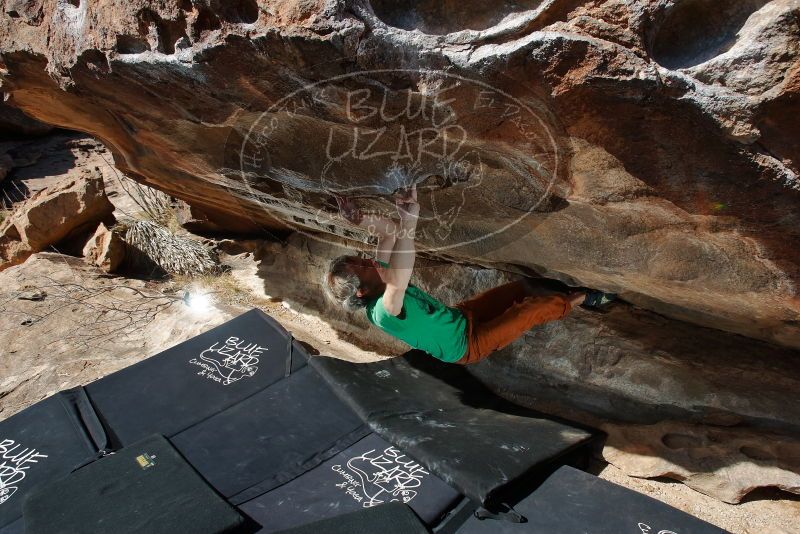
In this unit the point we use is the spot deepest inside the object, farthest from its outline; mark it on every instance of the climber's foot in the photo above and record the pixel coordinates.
(598, 300)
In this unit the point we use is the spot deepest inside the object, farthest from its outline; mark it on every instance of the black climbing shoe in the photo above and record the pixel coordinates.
(598, 301)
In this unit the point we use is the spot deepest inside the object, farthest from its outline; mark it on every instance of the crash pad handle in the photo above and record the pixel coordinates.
(506, 514)
(289, 351)
(84, 418)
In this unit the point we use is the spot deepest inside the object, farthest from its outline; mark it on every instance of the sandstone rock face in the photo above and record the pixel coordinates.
(51, 215)
(105, 249)
(15, 124)
(62, 156)
(734, 458)
(644, 147)
(647, 147)
(196, 220)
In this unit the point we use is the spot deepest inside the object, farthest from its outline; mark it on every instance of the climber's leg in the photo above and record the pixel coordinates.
(490, 335)
(598, 300)
(493, 302)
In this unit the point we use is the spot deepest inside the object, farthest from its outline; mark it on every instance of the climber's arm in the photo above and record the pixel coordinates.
(401, 265)
(383, 228)
(383, 251)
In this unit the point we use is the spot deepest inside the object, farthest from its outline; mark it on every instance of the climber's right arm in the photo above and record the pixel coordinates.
(401, 265)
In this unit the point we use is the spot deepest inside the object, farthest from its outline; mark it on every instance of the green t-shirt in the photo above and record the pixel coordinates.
(424, 323)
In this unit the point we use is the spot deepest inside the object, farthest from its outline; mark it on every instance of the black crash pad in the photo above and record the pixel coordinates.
(17, 527)
(145, 487)
(370, 473)
(445, 418)
(388, 519)
(271, 437)
(196, 379)
(39, 444)
(571, 501)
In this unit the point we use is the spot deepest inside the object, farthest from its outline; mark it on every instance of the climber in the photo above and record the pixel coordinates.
(465, 333)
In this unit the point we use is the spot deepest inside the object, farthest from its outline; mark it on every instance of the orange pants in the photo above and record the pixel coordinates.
(500, 315)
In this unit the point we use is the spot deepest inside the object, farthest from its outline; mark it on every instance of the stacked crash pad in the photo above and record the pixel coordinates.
(242, 406)
(146, 487)
(441, 415)
(572, 501)
(288, 442)
(41, 443)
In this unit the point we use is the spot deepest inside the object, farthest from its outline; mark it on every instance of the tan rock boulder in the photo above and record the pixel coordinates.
(726, 463)
(105, 249)
(51, 215)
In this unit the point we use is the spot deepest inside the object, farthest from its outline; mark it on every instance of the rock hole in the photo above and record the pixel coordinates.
(12, 234)
(769, 493)
(681, 441)
(94, 60)
(185, 5)
(168, 32)
(131, 44)
(76, 3)
(206, 21)
(756, 454)
(237, 11)
(694, 31)
(440, 17)
(30, 11)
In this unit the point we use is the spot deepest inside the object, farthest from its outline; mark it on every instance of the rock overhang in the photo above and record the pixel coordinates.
(691, 216)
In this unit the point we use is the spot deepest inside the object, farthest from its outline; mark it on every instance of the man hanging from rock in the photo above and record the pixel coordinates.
(465, 333)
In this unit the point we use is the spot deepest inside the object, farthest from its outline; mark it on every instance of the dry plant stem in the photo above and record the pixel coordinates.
(123, 311)
(155, 204)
